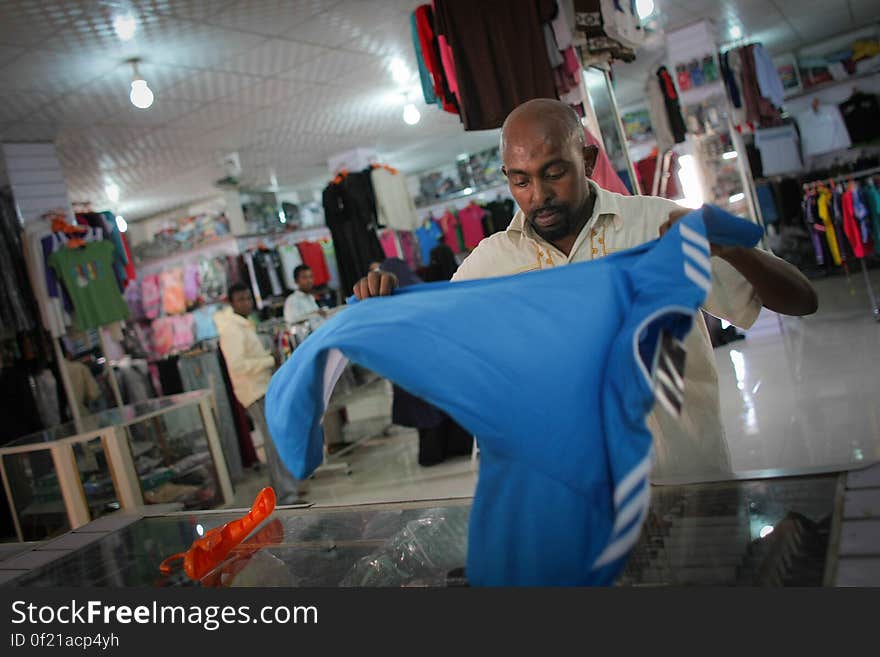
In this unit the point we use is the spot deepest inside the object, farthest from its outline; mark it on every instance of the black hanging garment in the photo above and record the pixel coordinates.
(350, 213)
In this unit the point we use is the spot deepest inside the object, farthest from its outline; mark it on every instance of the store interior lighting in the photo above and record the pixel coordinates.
(736, 32)
(121, 223)
(411, 114)
(112, 192)
(729, 155)
(141, 95)
(125, 26)
(644, 8)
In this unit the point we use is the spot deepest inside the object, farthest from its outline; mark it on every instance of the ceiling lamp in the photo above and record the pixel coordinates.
(125, 26)
(644, 8)
(141, 95)
(736, 32)
(411, 114)
(121, 223)
(112, 192)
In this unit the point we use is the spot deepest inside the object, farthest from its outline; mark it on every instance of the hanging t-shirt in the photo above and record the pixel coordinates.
(394, 205)
(449, 225)
(389, 244)
(87, 274)
(290, 260)
(860, 114)
(822, 130)
(313, 256)
(561, 495)
(173, 299)
(471, 219)
(779, 150)
(428, 236)
(330, 259)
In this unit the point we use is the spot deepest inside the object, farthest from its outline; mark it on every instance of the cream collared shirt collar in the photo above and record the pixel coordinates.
(605, 208)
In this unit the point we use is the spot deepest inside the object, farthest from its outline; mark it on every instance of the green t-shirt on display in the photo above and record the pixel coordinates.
(87, 274)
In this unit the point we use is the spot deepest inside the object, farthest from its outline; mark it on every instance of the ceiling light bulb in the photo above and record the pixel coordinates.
(399, 70)
(125, 26)
(736, 32)
(411, 114)
(121, 223)
(112, 192)
(644, 8)
(141, 95)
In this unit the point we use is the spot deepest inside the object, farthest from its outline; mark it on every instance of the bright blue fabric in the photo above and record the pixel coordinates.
(552, 371)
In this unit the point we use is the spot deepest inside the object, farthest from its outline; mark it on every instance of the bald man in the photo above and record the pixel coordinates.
(565, 217)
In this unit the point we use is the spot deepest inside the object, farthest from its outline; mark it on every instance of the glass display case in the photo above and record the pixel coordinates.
(768, 532)
(152, 452)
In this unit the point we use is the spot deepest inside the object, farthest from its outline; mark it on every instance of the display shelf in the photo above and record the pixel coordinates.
(56, 481)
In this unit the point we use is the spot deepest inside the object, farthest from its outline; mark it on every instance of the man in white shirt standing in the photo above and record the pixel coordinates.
(301, 305)
(565, 217)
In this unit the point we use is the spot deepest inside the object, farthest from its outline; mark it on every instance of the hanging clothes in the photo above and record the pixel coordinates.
(350, 213)
(17, 302)
(603, 172)
(670, 101)
(389, 244)
(471, 220)
(330, 259)
(448, 223)
(860, 114)
(780, 150)
(759, 110)
(822, 130)
(430, 52)
(394, 203)
(313, 256)
(499, 56)
(290, 260)
(425, 79)
(824, 207)
(87, 274)
(429, 236)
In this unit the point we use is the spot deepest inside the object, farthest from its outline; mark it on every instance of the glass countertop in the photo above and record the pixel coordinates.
(770, 532)
(128, 414)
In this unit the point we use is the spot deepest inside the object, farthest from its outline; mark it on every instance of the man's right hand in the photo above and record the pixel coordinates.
(375, 284)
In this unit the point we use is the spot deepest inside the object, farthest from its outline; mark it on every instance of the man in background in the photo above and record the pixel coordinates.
(250, 367)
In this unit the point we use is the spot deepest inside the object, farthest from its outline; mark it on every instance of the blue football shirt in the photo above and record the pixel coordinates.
(553, 371)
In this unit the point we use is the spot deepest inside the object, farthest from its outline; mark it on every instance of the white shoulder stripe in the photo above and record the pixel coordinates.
(694, 237)
(631, 510)
(630, 481)
(622, 545)
(697, 277)
(698, 256)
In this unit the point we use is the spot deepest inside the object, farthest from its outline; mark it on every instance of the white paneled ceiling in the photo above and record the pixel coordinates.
(285, 83)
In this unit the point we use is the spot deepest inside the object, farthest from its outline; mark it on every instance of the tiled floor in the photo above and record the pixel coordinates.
(797, 393)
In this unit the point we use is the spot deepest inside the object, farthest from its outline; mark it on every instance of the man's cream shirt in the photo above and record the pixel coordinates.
(692, 445)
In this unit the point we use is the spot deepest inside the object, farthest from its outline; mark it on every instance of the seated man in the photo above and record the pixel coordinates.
(301, 305)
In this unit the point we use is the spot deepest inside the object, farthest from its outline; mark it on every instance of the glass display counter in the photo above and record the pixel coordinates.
(152, 452)
(768, 532)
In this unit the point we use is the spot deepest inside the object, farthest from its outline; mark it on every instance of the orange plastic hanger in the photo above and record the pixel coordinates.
(207, 552)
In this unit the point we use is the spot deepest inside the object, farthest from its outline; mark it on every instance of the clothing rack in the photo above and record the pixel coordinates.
(855, 175)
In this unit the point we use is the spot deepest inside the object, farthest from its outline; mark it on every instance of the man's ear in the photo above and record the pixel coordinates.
(504, 170)
(591, 152)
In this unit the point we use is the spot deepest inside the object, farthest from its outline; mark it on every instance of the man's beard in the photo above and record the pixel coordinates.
(562, 225)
